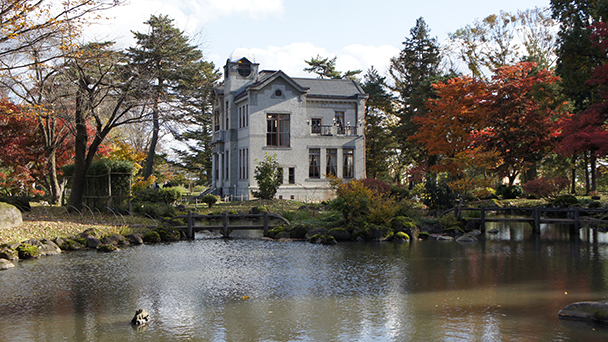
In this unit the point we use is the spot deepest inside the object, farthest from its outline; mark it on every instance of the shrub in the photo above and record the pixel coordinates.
(449, 220)
(564, 201)
(155, 210)
(382, 209)
(352, 199)
(169, 195)
(508, 191)
(268, 176)
(546, 187)
(399, 193)
(377, 186)
(210, 200)
(438, 195)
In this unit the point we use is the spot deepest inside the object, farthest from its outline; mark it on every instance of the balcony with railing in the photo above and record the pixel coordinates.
(333, 130)
(218, 137)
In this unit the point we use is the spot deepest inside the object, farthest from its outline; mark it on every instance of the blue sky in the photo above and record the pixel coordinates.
(281, 34)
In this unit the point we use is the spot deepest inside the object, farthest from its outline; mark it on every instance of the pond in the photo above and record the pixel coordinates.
(506, 287)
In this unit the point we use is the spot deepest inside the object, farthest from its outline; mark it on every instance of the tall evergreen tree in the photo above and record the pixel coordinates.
(172, 68)
(379, 144)
(576, 54)
(197, 157)
(413, 71)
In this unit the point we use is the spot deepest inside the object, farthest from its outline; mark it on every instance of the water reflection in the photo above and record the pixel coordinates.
(508, 286)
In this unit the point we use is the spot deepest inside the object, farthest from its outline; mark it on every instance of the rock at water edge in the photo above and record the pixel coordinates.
(594, 312)
(10, 216)
(141, 318)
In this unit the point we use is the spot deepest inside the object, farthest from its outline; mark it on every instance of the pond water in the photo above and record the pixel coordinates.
(506, 287)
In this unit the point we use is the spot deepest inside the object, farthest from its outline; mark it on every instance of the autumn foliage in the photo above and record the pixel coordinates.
(509, 121)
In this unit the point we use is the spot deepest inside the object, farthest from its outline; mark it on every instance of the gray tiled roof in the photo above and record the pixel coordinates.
(324, 87)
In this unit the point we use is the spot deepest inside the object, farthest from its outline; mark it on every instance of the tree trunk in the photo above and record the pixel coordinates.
(593, 171)
(80, 168)
(153, 142)
(586, 164)
(531, 173)
(53, 183)
(573, 176)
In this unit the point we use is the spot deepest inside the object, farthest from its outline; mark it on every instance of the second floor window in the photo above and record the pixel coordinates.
(316, 126)
(277, 130)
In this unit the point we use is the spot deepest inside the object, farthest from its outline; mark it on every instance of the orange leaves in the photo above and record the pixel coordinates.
(446, 129)
(505, 121)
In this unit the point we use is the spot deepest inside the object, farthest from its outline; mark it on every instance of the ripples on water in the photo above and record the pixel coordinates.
(508, 288)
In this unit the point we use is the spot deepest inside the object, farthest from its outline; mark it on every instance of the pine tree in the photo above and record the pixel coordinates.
(413, 71)
(379, 144)
(172, 68)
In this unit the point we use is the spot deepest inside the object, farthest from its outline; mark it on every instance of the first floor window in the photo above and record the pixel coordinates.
(348, 170)
(314, 167)
(227, 164)
(277, 130)
(332, 162)
(292, 175)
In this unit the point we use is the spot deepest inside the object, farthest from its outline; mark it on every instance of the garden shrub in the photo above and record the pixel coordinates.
(377, 186)
(169, 195)
(564, 201)
(438, 194)
(546, 187)
(269, 177)
(155, 210)
(449, 220)
(210, 200)
(399, 193)
(508, 191)
(352, 199)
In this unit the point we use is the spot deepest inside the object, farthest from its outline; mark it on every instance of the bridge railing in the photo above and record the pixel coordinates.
(226, 227)
(573, 216)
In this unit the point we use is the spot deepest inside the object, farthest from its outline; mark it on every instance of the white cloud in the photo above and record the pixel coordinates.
(189, 15)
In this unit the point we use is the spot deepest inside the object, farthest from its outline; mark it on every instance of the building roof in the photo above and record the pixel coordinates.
(330, 87)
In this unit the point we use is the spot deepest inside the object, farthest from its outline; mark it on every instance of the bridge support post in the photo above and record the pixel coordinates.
(536, 228)
(266, 220)
(482, 217)
(225, 232)
(190, 224)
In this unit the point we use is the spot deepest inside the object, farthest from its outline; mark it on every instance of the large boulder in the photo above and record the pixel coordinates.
(6, 264)
(48, 247)
(593, 312)
(10, 216)
(8, 253)
(340, 234)
(93, 242)
(134, 239)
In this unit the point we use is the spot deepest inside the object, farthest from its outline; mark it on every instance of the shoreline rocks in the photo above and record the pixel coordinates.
(592, 312)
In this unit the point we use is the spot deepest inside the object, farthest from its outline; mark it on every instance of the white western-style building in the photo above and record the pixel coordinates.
(315, 127)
